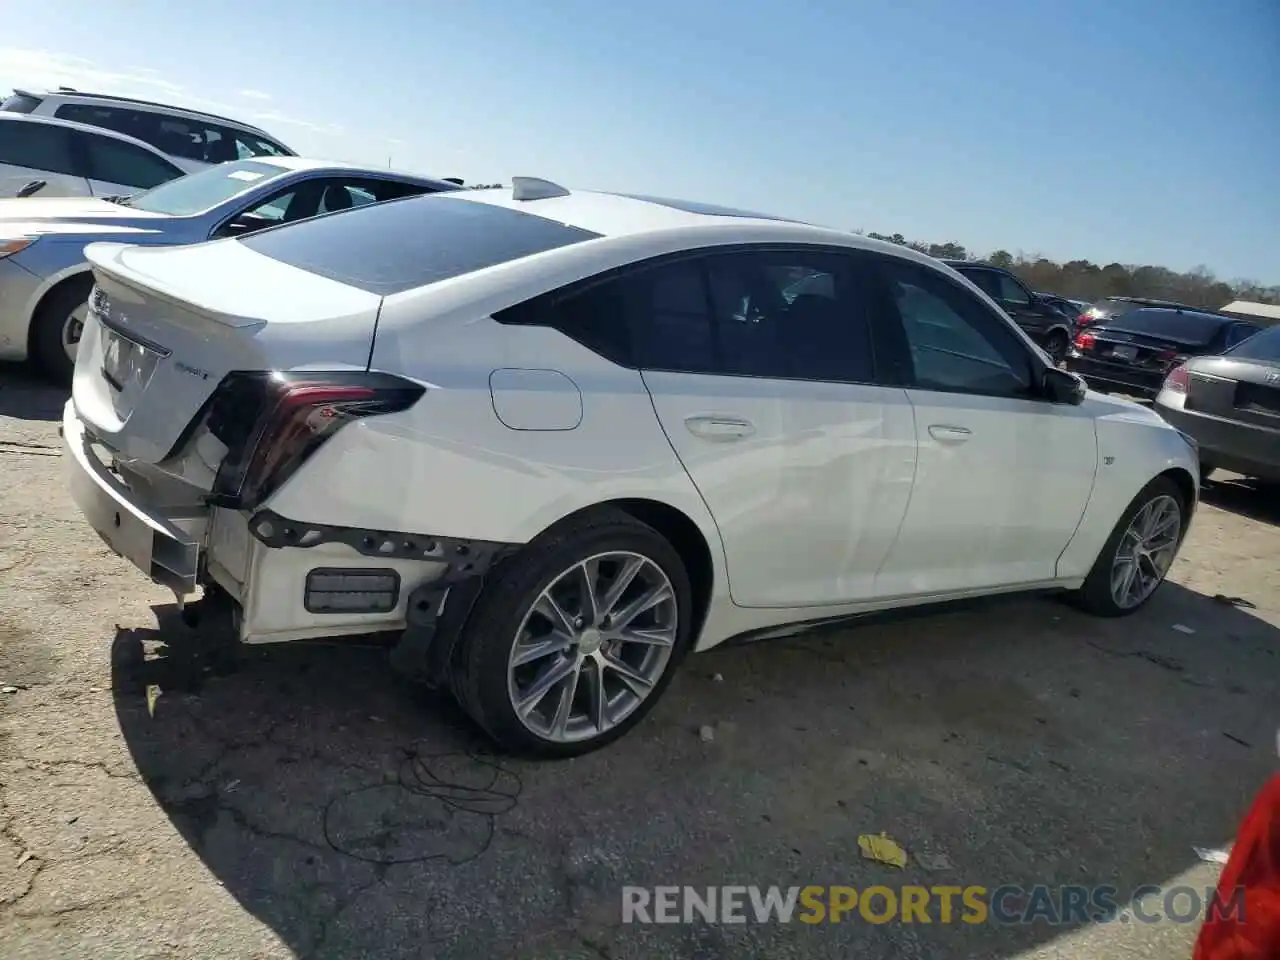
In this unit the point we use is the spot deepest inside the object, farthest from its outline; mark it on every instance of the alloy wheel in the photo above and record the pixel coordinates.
(592, 647)
(1146, 551)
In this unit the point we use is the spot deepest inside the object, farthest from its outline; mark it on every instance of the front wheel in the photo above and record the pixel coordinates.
(57, 326)
(1138, 554)
(577, 638)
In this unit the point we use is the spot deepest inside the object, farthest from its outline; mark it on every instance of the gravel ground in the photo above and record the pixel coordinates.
(160, 799)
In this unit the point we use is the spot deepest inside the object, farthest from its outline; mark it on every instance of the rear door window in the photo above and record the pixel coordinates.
(387, 248)
(39, 146)
(186, 137)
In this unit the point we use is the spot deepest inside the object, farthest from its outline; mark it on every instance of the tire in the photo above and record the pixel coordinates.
(51, 318)
(486, 684)
(1095, 596)
(1056, 345)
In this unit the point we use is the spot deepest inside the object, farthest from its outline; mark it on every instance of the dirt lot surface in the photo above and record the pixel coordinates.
(159, 800)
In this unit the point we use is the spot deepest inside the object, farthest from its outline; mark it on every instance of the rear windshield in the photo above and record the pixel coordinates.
(198, 192)
(1184, 327)
(390, 247)
(1261, 346)
(20, 103)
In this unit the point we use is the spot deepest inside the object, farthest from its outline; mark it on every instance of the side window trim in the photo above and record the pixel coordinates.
(539, 310)
(896, 336)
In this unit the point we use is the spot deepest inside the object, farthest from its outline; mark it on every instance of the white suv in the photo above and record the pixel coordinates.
(76, 160)
(193, 139)
(556, 440)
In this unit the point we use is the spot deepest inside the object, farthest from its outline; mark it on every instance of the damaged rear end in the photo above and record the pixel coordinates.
(206, 377)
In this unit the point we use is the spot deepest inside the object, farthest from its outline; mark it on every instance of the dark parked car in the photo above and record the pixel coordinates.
(1230, 404)
(1133, 352)
(1045, 324)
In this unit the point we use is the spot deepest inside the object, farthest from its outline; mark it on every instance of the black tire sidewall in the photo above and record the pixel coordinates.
(50, 318)
(480, 671)
(1095, 595)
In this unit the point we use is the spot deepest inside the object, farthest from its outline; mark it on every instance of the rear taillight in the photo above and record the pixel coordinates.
(1178, 380)
(272, 422)
(1084, 341)
(1084, 319)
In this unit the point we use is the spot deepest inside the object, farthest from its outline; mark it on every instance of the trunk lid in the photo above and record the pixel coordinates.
(1138, 351)
(166, 324)
(1243, 390)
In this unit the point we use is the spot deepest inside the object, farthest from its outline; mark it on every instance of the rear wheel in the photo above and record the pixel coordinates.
(1138, 554)
(577, 638)
(57, 326)
(1056, 345)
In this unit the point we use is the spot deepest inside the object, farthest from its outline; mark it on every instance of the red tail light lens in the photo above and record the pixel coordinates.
(1085, 341)
(1085, 318)
(272, 422)
(1178, 380)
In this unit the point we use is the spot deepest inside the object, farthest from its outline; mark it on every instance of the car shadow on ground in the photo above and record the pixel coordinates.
(25, 395)
(1248, 498)
(1014, 743)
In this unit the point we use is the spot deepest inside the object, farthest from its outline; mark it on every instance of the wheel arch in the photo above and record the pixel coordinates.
(684, 535)
(1187, 487)
(46, 294)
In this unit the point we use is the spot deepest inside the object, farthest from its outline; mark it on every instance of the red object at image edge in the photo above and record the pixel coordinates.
(1254, 865)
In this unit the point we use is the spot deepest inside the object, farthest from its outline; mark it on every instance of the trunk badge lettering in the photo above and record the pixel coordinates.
(192, 371)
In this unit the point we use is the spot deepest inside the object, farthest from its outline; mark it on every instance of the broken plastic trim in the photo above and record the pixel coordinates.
(465, 558)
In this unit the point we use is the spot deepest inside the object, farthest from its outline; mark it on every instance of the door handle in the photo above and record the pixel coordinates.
(719, 428)
(949, 434)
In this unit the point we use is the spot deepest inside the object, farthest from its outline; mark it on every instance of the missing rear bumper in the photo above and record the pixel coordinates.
(465, 558)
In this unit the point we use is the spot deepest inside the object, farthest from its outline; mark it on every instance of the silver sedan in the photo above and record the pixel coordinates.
(45, 280)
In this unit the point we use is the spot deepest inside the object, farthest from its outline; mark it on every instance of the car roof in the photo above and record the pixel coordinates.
(83, 128)
(309, 164)
(618, 215)
(1151, 311)
(107, 98)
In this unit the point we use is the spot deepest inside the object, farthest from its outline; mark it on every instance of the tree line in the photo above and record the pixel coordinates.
(1085, 280)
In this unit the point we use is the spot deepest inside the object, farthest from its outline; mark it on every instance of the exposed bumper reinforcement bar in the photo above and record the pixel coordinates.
(466, 558)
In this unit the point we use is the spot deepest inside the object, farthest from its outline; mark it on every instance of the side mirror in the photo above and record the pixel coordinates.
(1060, 386)
(35, 186)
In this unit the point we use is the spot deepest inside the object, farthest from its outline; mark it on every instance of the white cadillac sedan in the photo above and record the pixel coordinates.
(552, 441)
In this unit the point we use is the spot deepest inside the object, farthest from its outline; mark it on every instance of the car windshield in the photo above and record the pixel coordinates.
(202, 191)
(1182, 326)
(1264, 346)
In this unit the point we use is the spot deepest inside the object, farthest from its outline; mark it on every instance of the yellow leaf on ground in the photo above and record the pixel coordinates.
(881, 848)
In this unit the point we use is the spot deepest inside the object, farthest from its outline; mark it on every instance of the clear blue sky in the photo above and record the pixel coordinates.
(1142, 131)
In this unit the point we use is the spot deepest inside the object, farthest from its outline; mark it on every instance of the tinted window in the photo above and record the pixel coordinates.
(189, 138)
(1261, 346)
(1239, 332)
(767, 314)
(386, 248)
(796, 315)
(202, 191)
(125, 164)
(954, 341)
(984, 280)
(20, 103)
(1184, 327)
(41, 146)
(1011, 291)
